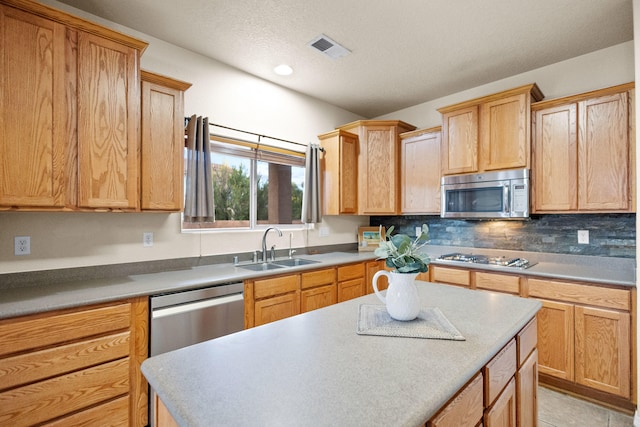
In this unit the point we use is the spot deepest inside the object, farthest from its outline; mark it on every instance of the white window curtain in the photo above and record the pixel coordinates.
(311, 204)
(198, 205)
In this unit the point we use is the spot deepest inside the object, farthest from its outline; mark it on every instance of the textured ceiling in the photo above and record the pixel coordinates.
(403, 53)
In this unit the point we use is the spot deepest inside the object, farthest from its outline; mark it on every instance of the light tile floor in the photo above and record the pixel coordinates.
(556, 409)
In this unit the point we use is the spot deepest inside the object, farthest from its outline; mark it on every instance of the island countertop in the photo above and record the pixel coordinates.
(314, 369)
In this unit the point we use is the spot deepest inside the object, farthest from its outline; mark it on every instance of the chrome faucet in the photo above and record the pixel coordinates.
(264, 241)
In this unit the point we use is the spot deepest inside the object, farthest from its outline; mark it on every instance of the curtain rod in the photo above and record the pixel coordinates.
(186, 120)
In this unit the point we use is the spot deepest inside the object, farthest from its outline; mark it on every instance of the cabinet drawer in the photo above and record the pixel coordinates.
(348, 272)
(619, 299)
(116, 411)
(17, 335)
(453, 276)
(38, 402)
(318, 278)
(526, 340)
(275, 285)
(30, 367)
(498, 372)
(498, 282)
(464, 410)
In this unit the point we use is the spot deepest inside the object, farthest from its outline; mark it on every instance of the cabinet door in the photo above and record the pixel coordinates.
(460, 141)
(378, 173)
(322, 296)
(504, 133)
(420, 174)
(527, 391)
(108, 124)
(603, 153)
(450, 276)
(555, 339)
(372, 267)
(162, 145)
(555, 151)
(35, 118)
(339, 165)
(276, 308)
(350, 289)
(603, 348)
(503, 411)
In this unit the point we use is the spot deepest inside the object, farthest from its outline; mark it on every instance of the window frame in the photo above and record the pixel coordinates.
(254, 151)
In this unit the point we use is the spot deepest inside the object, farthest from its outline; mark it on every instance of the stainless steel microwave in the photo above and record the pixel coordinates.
(498, 194)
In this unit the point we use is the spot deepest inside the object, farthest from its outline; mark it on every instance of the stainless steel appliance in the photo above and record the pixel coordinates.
(497, 194)
(498, 261)
(184, 318)
(181, 319)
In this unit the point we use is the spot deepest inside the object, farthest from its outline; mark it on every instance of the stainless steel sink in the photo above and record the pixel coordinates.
(294, 262)
(261, 266)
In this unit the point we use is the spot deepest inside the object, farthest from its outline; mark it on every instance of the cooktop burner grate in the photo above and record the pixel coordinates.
(483, 259)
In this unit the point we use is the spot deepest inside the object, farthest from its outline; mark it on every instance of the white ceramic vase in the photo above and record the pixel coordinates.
(401, 299)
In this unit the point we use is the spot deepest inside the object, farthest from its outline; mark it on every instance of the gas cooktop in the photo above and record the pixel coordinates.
(501, 261)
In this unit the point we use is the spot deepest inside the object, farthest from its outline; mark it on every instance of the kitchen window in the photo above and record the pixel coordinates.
(254, 186)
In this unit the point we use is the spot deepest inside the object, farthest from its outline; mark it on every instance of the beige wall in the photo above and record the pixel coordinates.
(233, 98)
(603, 68)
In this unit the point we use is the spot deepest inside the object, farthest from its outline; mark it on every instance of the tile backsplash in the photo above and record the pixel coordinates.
(610, 235)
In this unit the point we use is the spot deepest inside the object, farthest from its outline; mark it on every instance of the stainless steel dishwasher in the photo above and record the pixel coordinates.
(184, 318)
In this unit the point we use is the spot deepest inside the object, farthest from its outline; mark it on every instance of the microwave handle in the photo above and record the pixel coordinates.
(505, 199)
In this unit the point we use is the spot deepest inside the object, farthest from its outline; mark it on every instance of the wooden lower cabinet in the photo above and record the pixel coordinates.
(584, 335)
(555, 339)
(351, 281)
(318, 289)
(450, 276)
(75, 367)
(503, 410)
(602, 350)
(270, 299)
(503, 393)
(526, 392)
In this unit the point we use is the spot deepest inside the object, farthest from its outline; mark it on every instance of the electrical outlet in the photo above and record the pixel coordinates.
(147, 239)
(22, 245)
(583, 237)
(323, 231)
(418, 231)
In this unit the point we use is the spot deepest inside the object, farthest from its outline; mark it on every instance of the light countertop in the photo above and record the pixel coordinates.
(313, 369)
(46, 296)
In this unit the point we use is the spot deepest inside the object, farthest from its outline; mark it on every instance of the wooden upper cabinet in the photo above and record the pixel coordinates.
(69, 111)
(108, 123)
(603, 153)
(555, 159)
(34, 118)
(339, 165)
(378, 164)
(488, 133)
(505, 139)
(420, 171)
(460, 141)
(584, 152)
(162, 144)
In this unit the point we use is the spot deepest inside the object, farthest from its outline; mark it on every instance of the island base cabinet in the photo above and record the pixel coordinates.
(465, 409)
(526, 394)
(503, 412)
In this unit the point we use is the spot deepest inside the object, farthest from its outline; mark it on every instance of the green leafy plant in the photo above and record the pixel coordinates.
(403, 253)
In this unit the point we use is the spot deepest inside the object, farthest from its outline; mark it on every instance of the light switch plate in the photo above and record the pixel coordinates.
(147, 239)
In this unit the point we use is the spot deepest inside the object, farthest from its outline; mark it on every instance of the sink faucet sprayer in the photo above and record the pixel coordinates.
(264, 241)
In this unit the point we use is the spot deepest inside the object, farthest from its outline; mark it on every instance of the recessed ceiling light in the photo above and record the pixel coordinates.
(283, 70)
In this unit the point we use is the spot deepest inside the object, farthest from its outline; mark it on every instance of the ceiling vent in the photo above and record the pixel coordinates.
(325, 45)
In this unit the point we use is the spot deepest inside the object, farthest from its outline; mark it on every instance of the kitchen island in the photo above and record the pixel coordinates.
(314, 369)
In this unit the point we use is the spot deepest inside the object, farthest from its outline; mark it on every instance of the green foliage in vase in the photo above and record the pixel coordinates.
(403, 253)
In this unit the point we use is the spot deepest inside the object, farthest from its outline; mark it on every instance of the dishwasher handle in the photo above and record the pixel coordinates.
(197, 305)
